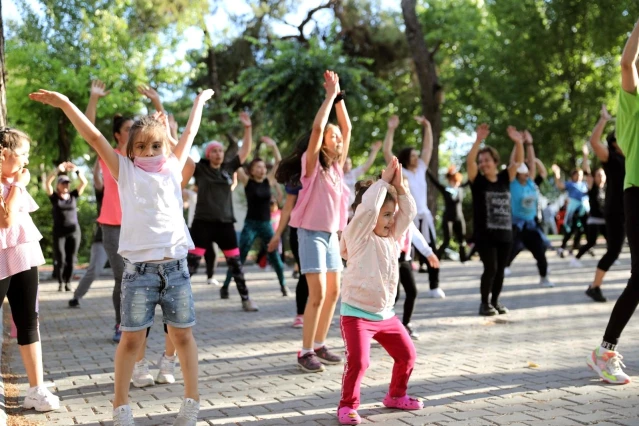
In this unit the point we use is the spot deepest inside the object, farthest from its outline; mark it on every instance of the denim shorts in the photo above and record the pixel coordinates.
(319, 252)
(145, 285)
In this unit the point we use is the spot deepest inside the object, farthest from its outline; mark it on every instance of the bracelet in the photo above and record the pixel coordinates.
(340, 97)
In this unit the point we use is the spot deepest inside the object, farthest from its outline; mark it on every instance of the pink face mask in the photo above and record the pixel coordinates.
(150, 164)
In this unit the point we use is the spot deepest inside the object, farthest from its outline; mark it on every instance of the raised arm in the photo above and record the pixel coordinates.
(530, 155)
(518, 139)
(393, 122)
(406, 203)
(98, 183)
(483, 130)
(370, 160)
(234, 183)
(427, 143)
(247, 140)
(560, 184)
(600, 149)
(47, 182)
(97, 91)
(153, 96)
(331, 84)
(345, 126)
(541, 169)
(82, 124)
(242, 177)
(72, 168)
(629, 78)
(585, 164)
(187, 171)
(185, 143)
(276, 154)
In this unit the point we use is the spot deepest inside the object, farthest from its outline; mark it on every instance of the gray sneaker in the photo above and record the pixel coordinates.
(249, 306)
(328, 357)
(310, 363)
(545, 282)
(188, 413)
(122, 416)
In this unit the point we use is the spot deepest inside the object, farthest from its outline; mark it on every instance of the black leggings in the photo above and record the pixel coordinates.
(456, 228)
(433, 273)
(615, 234)
(204, 234)
(22, 291)
(301, 290)
(210, 257)
(592, 232)
(407, 280)
(494, 256)
(532, 240)
(576, 229)
(66, 255)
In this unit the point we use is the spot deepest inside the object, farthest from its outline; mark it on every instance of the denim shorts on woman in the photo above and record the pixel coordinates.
(145, 285)
(319, 252)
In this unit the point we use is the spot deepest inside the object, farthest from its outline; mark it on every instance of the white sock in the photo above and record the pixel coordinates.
(170, 358)
(318, 345)
(306, 351)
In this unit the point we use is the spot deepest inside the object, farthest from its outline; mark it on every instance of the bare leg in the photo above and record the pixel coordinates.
(187, 354)
(328, 308)
(169, 348)
(142, 351)
(125, 355)
(599, 276)
(316, 295)
(32, 360)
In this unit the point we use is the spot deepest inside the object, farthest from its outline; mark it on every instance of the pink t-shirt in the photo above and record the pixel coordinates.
(322, 203)
(111, 212)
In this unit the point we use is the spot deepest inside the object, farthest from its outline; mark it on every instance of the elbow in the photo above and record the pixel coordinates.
(318, 128)
(627, 64)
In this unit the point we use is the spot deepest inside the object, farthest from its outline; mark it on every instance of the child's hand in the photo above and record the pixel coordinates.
(433, 261)
(22, 176)
(206, 95)
(389, 172)
(55, 99)
(398, 179)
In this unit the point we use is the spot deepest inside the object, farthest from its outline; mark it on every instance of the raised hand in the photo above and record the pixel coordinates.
(331, 83)
(555, 169)
(71, 167)
(398, 179)
(205, 95)
(584, 150)
(389, 172)
(483, 130)
(55, 99)
(393, 122)
(245, 118)
(268, 141)
(149, 92)
(421, 120)
(62, 167)
(528, 137)
(604, 113)
(376, 146)
(514, 135)
(98, 89)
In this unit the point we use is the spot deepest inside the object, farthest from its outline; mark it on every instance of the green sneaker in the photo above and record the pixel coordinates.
(608, 365)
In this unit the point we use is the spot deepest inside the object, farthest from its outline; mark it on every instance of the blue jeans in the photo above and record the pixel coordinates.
(145, 285)
(319, 252)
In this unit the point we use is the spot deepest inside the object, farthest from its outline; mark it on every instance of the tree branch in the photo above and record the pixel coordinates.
(309, 17)
(435, 49)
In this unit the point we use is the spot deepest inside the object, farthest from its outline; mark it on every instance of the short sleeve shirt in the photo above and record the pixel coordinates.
(524, 199)
(215, 198)
(65, 213)
(492, 219)
(628, 134)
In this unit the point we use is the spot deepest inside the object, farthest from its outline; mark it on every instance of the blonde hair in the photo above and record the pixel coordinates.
(10, 139)
(147, 127)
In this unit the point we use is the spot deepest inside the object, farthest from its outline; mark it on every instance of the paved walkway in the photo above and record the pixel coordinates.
(526, 368)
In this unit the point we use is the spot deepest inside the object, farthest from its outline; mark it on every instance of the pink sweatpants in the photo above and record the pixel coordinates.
(391, 334)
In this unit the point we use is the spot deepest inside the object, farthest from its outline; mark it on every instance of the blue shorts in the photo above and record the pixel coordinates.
(319, 252)
(145, 285)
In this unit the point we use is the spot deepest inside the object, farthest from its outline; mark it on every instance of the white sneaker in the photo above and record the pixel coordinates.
(188, 413)
(141, 376)
(576, 263)
(213, 281)
(167, 369)
(545, 282)
(41, 399)
(507, 271)
(436, 293)
(122, 416)
(617, 262)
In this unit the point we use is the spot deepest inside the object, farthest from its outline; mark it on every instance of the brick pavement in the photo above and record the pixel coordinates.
(470, 370)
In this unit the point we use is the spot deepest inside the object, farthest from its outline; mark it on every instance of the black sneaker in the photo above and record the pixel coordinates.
(595, 294)
(60, 287)
(74, 303)
(296, 275)
(224, 292)
(67, 287)
(500, 308)
(487, 310)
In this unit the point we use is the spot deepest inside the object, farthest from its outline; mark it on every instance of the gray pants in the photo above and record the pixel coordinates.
(111, 242)
(96, 266)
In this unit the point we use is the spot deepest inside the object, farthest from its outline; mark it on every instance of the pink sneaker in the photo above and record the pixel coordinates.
(403, 403)
(348, 416)
(298, 322)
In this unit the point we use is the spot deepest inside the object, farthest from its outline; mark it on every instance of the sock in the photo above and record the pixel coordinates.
(305, 351)
(608, 346)
(318, 345)
(170, 358)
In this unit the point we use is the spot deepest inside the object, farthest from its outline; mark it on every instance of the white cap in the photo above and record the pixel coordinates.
(523, 169)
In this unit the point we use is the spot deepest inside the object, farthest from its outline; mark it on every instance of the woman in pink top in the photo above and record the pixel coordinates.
(20, 256)
(320, 212)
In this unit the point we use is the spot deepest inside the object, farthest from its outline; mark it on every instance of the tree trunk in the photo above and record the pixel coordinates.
(3, 88)
(64, 143)
(429, 86)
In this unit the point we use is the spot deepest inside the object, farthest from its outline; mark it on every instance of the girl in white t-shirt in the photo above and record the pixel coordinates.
(154, 248)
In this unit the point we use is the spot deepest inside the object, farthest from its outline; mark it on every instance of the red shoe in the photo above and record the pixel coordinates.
(403, 403)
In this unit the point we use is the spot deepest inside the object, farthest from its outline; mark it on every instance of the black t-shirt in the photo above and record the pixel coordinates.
(615, 169)
(214, 196)
(597, 198)
(492, 217)
(258, 200)
(65, 213)
(99, 196)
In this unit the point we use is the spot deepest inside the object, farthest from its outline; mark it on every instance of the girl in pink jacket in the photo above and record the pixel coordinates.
(369, 245)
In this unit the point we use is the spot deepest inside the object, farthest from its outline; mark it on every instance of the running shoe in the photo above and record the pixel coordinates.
(403, 403)
(188, 413)
(607, 364)
(122, 416)
(422, 269)
(500, 308)
(60, 287)
(348, 416)
(141, 377)
(485, 309)
(327, 357)
(41, 399)
(617, 262)
(67, 287)
(166, 373)
(310, 363)
(595, 294)
(296, 275)
(224, 292)
(74, 303)
(249, 306)
(213, 281)
(507, 271)
(285, 291)
(545, 282)
(576, 263)
(298, 322)
(410, 328)
(117, 334)
(436, 293)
